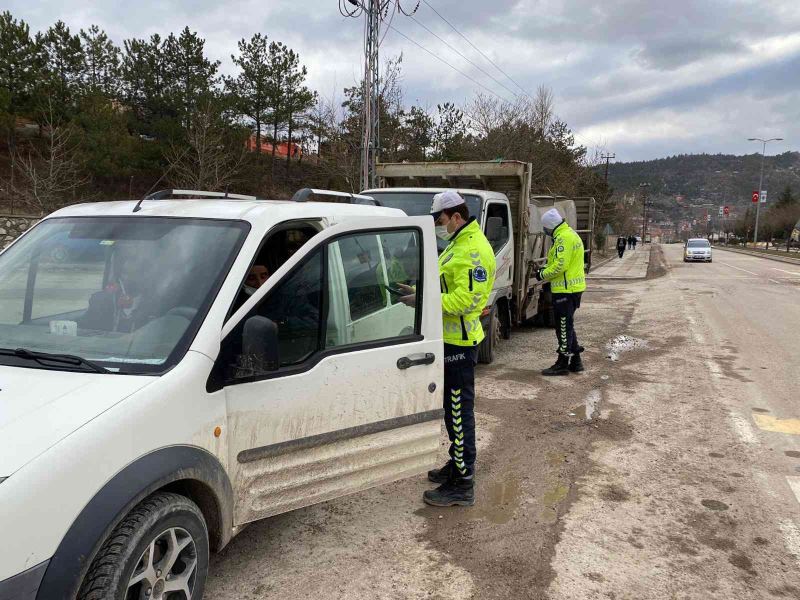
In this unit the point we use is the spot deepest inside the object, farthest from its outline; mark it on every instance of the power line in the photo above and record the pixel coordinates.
(446, 43)
(466, 39)
(590, 142)
(439, 58)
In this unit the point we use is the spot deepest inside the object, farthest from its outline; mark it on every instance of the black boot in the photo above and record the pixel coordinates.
(441, 475)
(455, 492)
(560, 368)
(576, 364)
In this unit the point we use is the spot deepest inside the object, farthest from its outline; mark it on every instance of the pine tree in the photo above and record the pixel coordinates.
(249, 88)
(278, 60)
(102, 57)
(191, 76)
(143, 74)
(298, 99)
(418, 128)
(450, 133)
(20, 65)
(65, 66)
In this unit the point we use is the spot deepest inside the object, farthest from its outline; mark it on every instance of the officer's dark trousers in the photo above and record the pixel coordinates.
(621, 251)
(564, 307)
(459, 405)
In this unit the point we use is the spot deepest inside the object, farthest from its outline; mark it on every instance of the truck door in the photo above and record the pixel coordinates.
(497, 228)
(354, 398)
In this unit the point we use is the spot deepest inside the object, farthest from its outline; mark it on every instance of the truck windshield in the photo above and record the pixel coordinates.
(126, 293)
(417, 204)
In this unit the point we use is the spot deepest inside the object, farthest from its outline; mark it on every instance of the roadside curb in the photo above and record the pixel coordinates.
(790, 261)
(594, 277)
(597, 265)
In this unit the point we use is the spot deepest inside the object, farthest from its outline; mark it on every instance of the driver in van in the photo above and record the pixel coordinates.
(257, 277)
(122, 305)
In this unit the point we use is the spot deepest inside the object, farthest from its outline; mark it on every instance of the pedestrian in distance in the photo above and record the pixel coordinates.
(634, 242)
(565, 273)
(466, 275)
(630, 242)
(621, 243)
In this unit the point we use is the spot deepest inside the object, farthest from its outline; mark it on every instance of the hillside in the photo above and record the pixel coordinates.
(715, 178)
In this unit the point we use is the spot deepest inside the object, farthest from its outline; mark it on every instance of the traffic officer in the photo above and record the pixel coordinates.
(466, 277)
(565, 274)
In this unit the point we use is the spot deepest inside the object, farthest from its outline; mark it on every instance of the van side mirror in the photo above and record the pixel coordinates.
(494, 227)
(260, 344)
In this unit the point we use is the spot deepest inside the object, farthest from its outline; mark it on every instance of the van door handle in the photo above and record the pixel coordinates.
(407, 362)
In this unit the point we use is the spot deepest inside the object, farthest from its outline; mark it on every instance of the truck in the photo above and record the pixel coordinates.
(154, 404)
(498, 194)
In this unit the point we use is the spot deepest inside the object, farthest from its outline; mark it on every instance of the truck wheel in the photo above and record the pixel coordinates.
(486, 349)
(159, 550)
(504, 316)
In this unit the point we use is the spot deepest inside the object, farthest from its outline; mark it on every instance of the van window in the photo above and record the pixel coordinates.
(355, 303)
(365, 272)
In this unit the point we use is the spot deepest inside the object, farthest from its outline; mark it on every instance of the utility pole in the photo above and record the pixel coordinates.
(644, 187)
(376, 12)
(607, 157)
(761, 180)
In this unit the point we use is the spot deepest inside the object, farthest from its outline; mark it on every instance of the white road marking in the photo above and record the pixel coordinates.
(743, 429)
(785, 271)
(740, 269)
(791, 535)
(794, 483)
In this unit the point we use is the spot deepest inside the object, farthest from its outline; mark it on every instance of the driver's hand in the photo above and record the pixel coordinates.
(410, 300)
(406, 289)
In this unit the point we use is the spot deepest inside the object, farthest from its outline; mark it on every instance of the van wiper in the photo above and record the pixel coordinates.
(44, 357)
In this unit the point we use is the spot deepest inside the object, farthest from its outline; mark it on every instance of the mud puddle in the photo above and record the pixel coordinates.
(502, 502)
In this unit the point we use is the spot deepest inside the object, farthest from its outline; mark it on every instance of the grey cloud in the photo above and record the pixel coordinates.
(673, 53)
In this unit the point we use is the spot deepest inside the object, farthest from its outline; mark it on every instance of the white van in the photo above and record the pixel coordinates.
(152, 404)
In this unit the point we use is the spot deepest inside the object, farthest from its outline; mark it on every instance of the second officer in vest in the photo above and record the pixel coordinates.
(565, 274)
(466, 277)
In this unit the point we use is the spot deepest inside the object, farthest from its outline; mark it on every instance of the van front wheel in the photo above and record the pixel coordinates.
(159, 550)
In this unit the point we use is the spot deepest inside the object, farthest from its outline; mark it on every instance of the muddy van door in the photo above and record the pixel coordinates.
(352, 396)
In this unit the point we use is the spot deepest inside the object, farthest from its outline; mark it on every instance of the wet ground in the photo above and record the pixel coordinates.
(645, 477)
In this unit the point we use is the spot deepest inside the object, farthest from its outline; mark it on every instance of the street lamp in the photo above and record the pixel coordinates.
(761, 180)
(643, 187)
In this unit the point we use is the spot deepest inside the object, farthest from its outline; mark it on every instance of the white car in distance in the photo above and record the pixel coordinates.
(697, 250)
(152, 403)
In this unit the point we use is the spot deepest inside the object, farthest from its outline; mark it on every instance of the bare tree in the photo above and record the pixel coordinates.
(211, 159)
(48, 171)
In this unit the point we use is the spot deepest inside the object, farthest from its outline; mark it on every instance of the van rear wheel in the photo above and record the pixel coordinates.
(159, 551)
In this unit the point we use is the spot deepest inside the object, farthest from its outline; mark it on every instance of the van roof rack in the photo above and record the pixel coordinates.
(164, 194)
(315, 195)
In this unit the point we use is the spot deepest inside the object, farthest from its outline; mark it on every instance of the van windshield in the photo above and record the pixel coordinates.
(699, 244)
(127, 293)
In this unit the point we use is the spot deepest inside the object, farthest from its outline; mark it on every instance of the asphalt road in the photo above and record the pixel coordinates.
(702, 500)
(680, 484)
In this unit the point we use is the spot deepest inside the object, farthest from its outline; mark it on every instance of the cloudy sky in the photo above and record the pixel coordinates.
(641, 78)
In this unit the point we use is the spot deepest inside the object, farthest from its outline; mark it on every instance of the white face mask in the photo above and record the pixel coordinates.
(249, 290)
(442, 233)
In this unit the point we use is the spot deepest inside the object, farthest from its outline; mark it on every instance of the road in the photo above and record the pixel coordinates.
(681, 485)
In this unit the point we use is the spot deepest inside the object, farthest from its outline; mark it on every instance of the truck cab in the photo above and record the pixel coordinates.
(166, 404)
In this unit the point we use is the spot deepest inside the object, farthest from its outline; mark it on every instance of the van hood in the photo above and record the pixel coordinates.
(38, 408)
